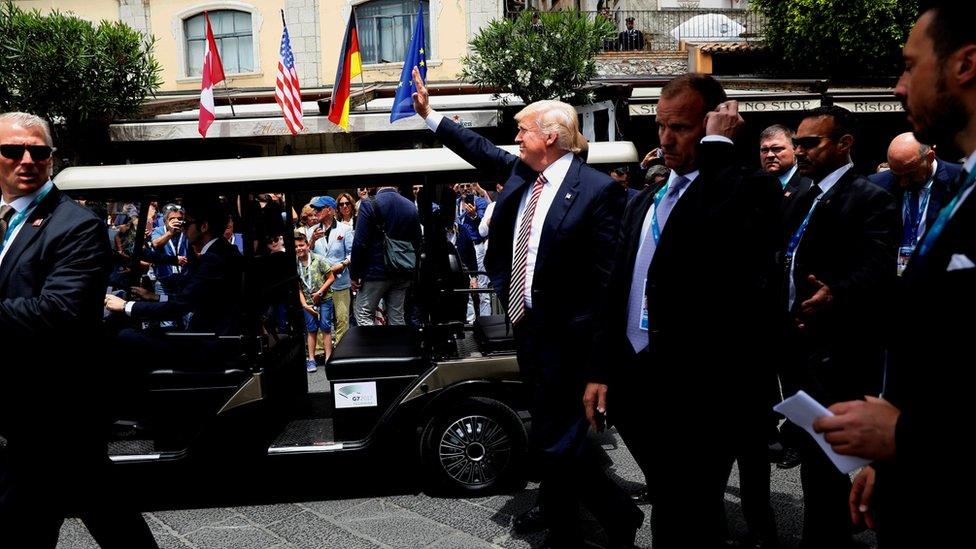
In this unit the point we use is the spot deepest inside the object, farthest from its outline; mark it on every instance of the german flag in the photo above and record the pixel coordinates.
(350, 66)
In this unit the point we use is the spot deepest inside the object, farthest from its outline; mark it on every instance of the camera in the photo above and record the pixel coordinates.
(469, 198)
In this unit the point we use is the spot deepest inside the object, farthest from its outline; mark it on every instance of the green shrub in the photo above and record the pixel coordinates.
(551, 62)
(76, 74)
(845, 39)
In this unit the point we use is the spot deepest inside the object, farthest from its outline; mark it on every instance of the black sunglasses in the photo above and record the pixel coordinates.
(39, 153)
(809, 141)
(341, 204)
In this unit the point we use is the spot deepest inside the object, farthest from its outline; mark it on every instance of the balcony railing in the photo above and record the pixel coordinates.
(663, 30)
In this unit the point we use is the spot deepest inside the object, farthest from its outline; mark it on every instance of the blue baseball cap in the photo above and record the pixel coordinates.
(320, 202)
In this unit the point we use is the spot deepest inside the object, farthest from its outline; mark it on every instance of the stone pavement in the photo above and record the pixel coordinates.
(408, 520)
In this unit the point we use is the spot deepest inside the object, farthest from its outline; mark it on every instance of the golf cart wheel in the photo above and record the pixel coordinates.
(476, 446)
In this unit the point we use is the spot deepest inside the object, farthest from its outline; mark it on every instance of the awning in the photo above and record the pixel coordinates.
(644, 101)
(264, 119)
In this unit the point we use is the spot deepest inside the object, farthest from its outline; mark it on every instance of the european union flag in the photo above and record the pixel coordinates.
(416, 56)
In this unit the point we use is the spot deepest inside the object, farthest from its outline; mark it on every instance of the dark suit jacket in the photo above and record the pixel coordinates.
(401, 222)
(52, 287)
(930, 379)
(209, 288)
(710, 289)
(850, 245)
(944, 187)
(572, 265)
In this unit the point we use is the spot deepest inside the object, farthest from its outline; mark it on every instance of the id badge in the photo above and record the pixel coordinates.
(643, 319)
(904, 255)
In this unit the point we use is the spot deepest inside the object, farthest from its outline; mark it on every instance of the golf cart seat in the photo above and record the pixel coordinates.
(494, 334)
(376, 351)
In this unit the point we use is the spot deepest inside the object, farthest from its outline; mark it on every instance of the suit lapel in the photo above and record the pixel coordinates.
(561, 203)
(29, 231)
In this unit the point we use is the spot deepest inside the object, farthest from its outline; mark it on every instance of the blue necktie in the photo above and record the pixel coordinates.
(909, 235)
(645, 253)
(940, 222)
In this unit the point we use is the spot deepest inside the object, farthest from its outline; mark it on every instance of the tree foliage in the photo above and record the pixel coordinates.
(74, 73)
(845, 39)
(553, 61)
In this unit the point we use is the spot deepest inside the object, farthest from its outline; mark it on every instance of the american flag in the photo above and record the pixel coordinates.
(287, 91)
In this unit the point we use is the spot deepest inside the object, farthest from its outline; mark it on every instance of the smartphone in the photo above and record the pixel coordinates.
(469, 198)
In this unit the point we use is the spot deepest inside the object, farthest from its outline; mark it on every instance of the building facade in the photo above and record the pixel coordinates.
(248, 33)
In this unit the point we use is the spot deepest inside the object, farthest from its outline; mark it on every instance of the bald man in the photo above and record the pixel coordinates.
(921, 183)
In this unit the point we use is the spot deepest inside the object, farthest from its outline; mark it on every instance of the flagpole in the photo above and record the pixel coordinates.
(230, 100)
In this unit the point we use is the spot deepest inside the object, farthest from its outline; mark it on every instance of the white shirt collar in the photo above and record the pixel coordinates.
(833, 177)
(970, 162)
(690, 176)
(22, 202)
(207, 246)
(785, 177)
(556, 171)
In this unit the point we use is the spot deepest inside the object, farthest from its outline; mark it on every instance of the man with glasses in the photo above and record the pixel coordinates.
(840, 268)
(209, 287)
(54, 266)
(921, 184)
(168, 249)
(333, 241)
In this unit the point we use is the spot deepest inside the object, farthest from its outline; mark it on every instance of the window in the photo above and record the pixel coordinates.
(385, 29)
(234, 37)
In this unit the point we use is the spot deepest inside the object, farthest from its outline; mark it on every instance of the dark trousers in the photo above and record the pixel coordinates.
(38, 489)
(684, 455)
(750, 451)
(826, 517)
(571, 473)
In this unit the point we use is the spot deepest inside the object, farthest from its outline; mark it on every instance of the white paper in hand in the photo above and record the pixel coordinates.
(802, 410)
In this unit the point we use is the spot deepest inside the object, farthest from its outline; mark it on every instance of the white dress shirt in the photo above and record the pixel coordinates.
(18, 204)
(555, 173)
(825, 185)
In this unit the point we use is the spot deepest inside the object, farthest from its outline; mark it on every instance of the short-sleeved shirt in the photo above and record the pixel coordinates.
(312, 276)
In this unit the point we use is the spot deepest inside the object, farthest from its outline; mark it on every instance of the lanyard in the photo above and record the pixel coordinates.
(913, 220)
(798, 234)
(944, 215)
(304, 272)
(20, 216)
(176, 251)
(655, 227)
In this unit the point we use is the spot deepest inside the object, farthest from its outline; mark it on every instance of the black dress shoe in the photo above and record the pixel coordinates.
(789, 459)
(641, 497)
(529, 521)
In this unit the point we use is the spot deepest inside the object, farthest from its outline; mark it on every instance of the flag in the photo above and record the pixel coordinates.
(416, 57)
(288, 93)
(213, 72)
(350, 66)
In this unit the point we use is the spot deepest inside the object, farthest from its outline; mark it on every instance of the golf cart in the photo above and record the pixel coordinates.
(432, 391)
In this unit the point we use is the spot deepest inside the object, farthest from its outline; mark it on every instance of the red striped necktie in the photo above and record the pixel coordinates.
(516, 305)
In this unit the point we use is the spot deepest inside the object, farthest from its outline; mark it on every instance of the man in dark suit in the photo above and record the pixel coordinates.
(921, 184)
(54, 261)
(840, 268)
(552, 237)
(691, 303)
(778, 157)
(208, 289)
(630, 39)
(915, 429)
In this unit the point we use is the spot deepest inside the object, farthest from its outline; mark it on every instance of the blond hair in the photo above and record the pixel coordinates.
(559, 118)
